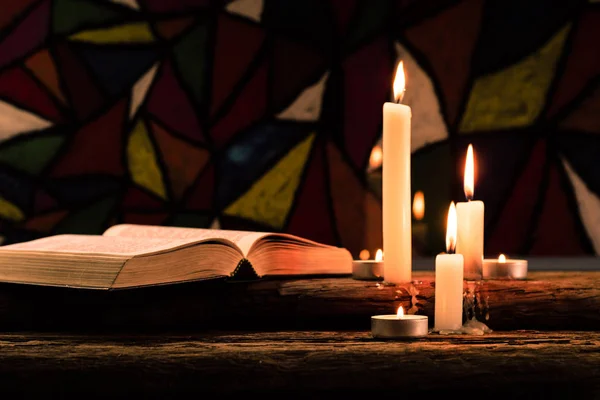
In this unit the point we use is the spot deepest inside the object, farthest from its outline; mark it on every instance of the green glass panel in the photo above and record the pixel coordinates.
(31, 155)
(89, 220)
(69, 16)
(190, 58)
(371, 20)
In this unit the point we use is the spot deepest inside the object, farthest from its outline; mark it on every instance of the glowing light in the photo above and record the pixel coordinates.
(502, 259)
(451, 229)
(376, 158)
(364, 254)
(379, 255)
(418, 207)
(469, 183)
(400, 312)
(399, 83)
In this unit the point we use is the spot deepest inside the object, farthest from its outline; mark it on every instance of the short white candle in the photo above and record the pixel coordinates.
(368, 270)
(396, 201)
(503, 268)
(399, 326)
(470, 224)
(449, 281)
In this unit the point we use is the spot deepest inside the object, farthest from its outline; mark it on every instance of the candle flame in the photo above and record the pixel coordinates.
(399, 83)
(502, 259)
(364, 254)
(419, 205)
(469, 183)
(379, 255)
(376, 158)
(400, 312)
(451, 229)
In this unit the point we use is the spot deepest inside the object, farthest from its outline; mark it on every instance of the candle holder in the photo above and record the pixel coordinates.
(367, 270)
(504, 269)
(399, 326)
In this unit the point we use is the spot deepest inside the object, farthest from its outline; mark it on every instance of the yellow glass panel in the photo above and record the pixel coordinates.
(516, 95)
(269, 200)
(143, 165)
(9, 211)
(130, 33)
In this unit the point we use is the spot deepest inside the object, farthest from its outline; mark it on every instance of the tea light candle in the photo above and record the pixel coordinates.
(399, 326)
(503, 268)
(469, 241)
(449, 281)
(368, 270)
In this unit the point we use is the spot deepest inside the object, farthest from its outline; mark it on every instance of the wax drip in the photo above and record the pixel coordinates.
(469, 301)
(482, 300)
(472, 305)
(413, 291)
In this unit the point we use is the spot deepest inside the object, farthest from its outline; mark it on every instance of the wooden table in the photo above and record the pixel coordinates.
(299, 338)
(297, 364)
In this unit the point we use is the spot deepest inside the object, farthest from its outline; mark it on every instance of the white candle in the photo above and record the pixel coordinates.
(470, 224)
(399, 326)
(367, 270)
(503, 268)
(397, 230)
(449, 281)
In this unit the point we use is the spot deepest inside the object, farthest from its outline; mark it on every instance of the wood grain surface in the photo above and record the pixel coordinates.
(519, 364)
(546, 301)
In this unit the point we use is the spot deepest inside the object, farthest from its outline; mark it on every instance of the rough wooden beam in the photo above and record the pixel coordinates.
(546, 301)
(524, 364)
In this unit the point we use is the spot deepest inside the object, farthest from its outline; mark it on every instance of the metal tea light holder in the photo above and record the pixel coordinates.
(368, 270)
(399, 326)
(504, 269)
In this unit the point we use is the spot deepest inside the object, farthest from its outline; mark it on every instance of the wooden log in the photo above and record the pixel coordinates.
(515, 365)
(546, 301)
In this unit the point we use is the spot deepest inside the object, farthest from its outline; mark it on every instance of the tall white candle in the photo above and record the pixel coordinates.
(470, 224)
(449, 281)
(397, 230)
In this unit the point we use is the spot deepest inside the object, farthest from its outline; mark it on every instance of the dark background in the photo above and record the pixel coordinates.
(263, 114)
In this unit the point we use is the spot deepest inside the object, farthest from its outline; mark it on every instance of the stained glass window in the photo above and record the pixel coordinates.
(262, 114)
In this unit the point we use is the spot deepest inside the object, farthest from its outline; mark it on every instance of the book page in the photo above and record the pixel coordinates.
(243, 239)
(100, 245)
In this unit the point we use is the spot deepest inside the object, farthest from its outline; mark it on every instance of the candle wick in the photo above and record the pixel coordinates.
(400, 96)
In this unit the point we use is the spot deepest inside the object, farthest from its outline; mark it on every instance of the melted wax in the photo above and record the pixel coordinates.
(472, 303)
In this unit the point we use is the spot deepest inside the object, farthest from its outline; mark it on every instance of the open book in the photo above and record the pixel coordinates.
(140, 255)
